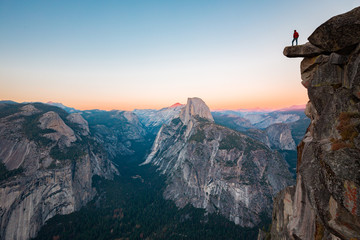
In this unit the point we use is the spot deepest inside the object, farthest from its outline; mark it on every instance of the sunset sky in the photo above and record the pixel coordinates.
(128, 54)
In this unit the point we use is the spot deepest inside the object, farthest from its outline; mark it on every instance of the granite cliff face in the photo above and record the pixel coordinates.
(215, 168)
(325, 204)
(48, 161)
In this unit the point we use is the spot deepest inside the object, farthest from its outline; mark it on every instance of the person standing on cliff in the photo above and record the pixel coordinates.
(296, 36)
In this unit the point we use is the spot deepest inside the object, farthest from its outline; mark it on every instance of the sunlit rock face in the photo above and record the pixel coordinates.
(52, 160)
(195, 107)
(325, 204)
(215, 168)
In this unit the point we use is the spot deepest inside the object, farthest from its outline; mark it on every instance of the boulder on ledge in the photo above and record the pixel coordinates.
(339, 32)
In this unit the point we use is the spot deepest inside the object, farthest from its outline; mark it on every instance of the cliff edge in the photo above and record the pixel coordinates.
(325, 203)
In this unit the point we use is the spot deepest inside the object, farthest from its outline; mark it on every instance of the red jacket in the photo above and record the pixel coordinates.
(296, 34)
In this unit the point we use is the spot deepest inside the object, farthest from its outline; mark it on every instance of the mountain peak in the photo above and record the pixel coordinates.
(195, 107)
(176, 105)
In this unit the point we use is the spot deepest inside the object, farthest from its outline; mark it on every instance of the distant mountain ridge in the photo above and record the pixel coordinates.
(60, 105)
(264, 110)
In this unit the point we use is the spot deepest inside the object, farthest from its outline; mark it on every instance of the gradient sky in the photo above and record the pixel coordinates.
(128, 54)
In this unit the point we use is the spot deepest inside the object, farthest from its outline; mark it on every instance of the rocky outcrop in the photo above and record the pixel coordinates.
(54, 160)
(306, 50)
(218, 169)
(52, 121)
(80, 121)
(325, 202)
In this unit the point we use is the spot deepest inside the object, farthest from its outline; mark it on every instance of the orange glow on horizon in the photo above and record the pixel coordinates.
(213, 104)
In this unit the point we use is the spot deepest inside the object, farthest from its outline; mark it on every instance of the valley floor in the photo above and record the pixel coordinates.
(132, 207)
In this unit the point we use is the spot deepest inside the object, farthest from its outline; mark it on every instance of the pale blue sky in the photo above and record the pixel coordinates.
(150, 54)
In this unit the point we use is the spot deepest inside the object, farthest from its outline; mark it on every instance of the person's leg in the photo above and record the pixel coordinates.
(292, 43)
(296, 42)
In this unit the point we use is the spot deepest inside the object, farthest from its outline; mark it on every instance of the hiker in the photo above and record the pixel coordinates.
(296, 36)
